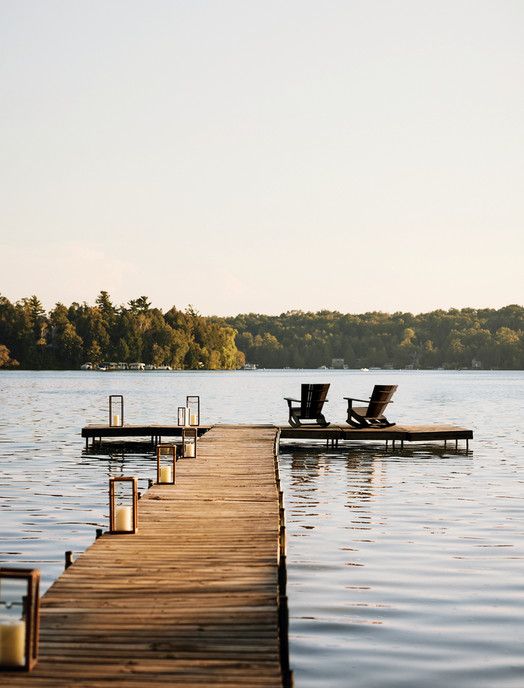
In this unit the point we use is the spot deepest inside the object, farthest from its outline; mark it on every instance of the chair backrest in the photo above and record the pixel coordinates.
(312, 398)
(380, 398)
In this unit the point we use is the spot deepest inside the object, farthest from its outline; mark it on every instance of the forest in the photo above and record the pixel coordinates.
(68, 336)
(454, 339)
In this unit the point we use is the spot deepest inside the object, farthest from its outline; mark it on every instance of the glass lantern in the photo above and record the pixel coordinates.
(189, 442)
(183, 416)
(166, 464)
(123, 505)
(193, 404)
(19, 618)
(116, 411)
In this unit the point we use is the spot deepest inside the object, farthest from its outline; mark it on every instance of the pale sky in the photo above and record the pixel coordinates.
(263, 156)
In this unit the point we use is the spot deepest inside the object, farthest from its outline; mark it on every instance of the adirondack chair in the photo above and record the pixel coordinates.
(312, 399)
(371, 416)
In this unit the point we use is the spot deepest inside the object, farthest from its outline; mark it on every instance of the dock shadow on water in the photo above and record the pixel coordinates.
(403, 569)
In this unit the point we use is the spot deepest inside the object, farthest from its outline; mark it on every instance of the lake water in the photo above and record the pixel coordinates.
(404, 570)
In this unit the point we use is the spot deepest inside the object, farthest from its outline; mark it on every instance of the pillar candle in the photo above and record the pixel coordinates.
(116, 419)
(166, 474)
(189, 449)
(12, 643)
(124, 518)
(194, 419)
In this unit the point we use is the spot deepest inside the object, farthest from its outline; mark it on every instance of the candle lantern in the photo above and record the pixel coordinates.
(183, 415)
(19, 618)
(123, 505)
(116, 411)
(166, 464)
(193, 404)
(189, 442)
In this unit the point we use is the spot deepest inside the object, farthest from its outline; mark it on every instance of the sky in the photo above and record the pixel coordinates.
(263, 156)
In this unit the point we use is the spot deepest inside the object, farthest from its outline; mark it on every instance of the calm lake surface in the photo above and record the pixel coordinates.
(404, 570)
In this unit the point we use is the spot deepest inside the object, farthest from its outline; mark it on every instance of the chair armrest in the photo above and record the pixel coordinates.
(289, 399)
(365, 401)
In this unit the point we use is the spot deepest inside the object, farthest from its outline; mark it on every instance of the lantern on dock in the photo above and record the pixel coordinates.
(116, 411)
(123, 505)
(166, 464)
(19, 618)
(193, 404)
(183, 416)
(189, 442)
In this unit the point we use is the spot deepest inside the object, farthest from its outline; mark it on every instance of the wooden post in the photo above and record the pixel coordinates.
(68, 559)
(282, 575)
(282, 540)
(283, 622)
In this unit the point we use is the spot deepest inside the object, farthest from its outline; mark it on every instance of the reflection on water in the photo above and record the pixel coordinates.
(51, 503)
(405, 570)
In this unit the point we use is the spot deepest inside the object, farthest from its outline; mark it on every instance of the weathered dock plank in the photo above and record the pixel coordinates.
(191, 599)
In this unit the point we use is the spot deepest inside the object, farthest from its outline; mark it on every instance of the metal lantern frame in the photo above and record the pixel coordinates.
(169, 451)
(189, 437)
(116, 410)
(193, 404)
(113, 495)
(30, 614)
(183, 416)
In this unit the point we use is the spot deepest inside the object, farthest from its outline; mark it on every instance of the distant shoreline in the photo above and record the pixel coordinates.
(115, 337)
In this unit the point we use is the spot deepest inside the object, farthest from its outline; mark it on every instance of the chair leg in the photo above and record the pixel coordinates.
(294, 421)
(357, 421)
(355, 424)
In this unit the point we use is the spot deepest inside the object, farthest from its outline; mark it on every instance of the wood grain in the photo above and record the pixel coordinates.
(191, 599)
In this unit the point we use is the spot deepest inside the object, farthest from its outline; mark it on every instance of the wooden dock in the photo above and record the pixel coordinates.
(333, 434)
(193, 598)
(155, 431)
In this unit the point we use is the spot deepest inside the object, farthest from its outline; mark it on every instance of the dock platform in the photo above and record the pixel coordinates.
(332, 434)
(156, 431)
(194, 598)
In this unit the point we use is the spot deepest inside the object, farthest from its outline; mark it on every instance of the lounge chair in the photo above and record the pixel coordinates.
(371, 416)
(312, 399)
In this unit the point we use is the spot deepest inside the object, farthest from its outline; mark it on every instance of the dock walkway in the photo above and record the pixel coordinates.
(191, 599)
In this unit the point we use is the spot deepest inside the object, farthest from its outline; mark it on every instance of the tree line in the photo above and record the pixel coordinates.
(466, 338)
(68, 336)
